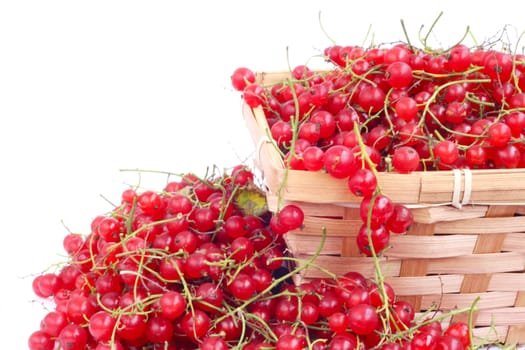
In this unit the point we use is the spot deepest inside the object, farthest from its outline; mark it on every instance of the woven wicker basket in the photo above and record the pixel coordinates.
(468, 239)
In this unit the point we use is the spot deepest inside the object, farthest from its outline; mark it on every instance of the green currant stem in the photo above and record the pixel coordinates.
(471, 320)
(274, 144)
(424, 75)
(387, 114)
(467, 31)
(229, 201)
(425, 39)
(362, 77)
(243, 327)
(403, 334)
(405, 32)
(473, 37)
(186, 289)
(269, 333)
(514, 77)
(472, 98)
(323, 30)
(436, 93)
(295, 128)
(364, 154)
(368, 32)
(377, 267)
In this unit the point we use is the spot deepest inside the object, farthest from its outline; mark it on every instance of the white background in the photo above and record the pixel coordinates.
(91, 87)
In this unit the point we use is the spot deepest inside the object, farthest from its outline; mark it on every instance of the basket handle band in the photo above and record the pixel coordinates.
(466, 174)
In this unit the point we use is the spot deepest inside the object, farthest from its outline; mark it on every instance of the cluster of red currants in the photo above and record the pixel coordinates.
(396, 109)
(175, 269)
(414, 110)
(202, 265)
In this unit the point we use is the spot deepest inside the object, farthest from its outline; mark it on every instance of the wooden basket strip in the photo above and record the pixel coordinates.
(340, 265)
(476, 283)
(488, 186)
(492, 243)
(425, 285)
(349, 246)
(495, 180)
(309, 209)
(435, 214)
(478, 264)
(503, 197)
(270, 78)
(267, 159)
(416, 267)
(509, 316)
(401, 246)
(278, 76)
(485, 225)
(516, 333)
(432, 214)
(308, 244)
(449, 302)
(351, 213)
(451, 283)
(478, 226)
(334, 227)
(322, 188)
(493, 333)
(317, 187)
(507, 282)
(514, 242)
(520, 299)
(430, 247)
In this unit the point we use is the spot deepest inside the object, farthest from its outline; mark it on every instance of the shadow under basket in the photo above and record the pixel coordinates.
(467, 240)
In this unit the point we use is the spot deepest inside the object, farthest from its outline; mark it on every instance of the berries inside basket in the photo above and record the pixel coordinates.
(467, 239)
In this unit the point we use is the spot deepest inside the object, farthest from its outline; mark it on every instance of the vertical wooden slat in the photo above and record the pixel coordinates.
(478, 283)
(416, 267)
(516, 334)
(349, 247)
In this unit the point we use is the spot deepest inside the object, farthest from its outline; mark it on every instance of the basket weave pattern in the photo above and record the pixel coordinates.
(454, 252)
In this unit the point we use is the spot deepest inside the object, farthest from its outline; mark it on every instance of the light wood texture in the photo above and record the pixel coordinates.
(475, 283)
